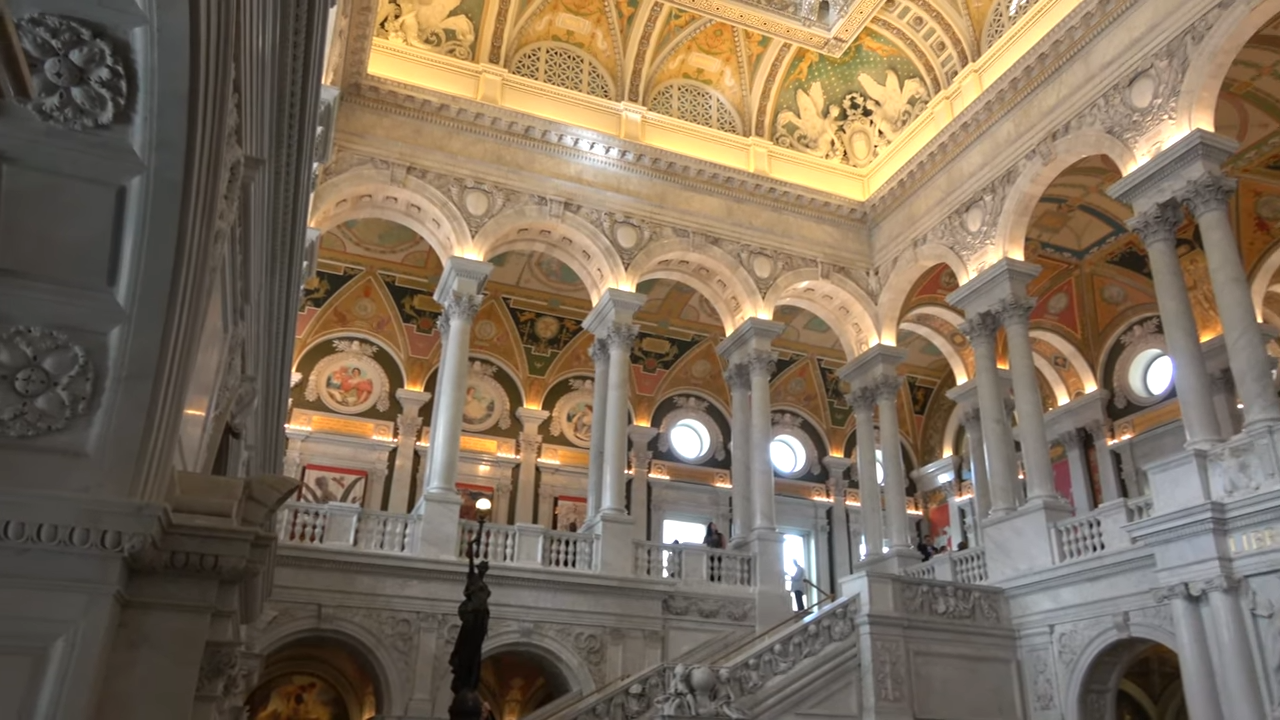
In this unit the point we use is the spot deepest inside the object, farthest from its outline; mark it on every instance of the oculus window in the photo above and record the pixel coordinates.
(1151, 373)
(690, 440)
(788, 455)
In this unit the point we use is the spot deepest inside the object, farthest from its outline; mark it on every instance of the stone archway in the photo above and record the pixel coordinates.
(1132, 679)
(515, 681)
(317, 676)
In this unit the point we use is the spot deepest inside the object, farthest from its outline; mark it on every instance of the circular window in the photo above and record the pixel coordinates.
(1151, 373)
(787, 455)
(879, 471)
(690, 439)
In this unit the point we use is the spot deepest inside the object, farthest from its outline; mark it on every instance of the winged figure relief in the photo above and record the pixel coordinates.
(815, 131)
(429, 23)
(896, 102)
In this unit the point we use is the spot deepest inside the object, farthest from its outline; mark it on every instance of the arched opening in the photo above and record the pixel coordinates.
(1133, 679)
(317, 678)
(515, 683)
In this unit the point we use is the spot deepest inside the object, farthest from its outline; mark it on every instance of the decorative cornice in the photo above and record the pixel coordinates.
(514, 128)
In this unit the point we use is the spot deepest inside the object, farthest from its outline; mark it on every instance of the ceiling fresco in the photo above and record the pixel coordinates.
(842, 102)
(1249, 102)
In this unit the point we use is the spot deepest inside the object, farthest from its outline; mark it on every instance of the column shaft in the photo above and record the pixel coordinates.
(839, 526)
(599, 411)
(613, 474)
(1015, 313)
(1108, 476)
(1237, 680)
(527, 478)
(864, 404)
(762, 502)
(1193, 655)
(739, 378)
(447, 435)
(1081, 486)
(640, 457)
(978, 464)
(1157, 228)
(895, 492)
(997, 440)
(1246, 351)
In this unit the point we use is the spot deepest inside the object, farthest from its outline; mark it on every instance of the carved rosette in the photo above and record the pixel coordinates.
(1158, 224)
(45, 381)
(78, 79)
(1209, 193)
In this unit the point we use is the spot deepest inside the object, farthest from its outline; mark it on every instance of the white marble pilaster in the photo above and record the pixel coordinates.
(738, 376)
(530, 444)
(966, 396)
(1015, 314)
(1207, 197)
(1108, 474)
(895, 478)
(863, 401)
(1237, 680)
(408, 429)
(641, 455)
(1194, 660)
(1081, 490)
(996, 436)
(841, 555)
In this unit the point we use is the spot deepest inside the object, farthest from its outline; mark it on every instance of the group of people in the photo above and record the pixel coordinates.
(927, 549)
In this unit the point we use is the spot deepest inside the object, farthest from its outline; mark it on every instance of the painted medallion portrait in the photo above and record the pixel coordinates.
(574, 414)
(297, 697)
(478, 406)
(484, 403)
(349, 385)
(350, 381)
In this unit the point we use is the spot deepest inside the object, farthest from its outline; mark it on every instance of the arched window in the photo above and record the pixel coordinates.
(696, 103)
(563, 66)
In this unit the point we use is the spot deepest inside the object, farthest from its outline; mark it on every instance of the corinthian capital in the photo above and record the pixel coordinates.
(599, 350)
(1209, 193)
(1159, 224)
(763, 361)
(863, 399)
(738, 376)
(1173, 592)
(408, 425)
(981, 327)
(1015, 311)
(886, 387)
(1221, 583)
(461, 307)
(622, 336)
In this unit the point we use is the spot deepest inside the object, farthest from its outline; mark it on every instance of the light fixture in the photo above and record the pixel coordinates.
(484, 504)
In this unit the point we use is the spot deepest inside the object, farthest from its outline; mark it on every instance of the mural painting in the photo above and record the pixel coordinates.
(443, 26)
(297, 696)
(350, 381)
(321, 484)
(485, 404)
(573, 414)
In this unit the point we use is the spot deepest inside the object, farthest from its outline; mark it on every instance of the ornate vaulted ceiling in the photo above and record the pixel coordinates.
(809, 91)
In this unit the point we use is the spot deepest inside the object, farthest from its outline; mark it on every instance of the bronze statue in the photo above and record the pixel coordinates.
(466, 656)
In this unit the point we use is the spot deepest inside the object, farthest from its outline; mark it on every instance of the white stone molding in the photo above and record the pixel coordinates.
(693, 408)
(79, 82)
(46, 381)
(359, 355)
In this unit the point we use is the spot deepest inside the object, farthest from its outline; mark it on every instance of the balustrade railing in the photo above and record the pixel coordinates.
(1139, 508)
(926, 570)
(1078, 538)
(970, 566)
(694, 564)
(339, 525)
(301, 524)
(529, 545)
(385, 532)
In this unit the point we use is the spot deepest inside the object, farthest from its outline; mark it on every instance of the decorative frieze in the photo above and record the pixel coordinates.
(708, 608)
(946, 601)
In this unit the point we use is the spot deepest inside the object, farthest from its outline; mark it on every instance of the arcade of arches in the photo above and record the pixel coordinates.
(858, 359)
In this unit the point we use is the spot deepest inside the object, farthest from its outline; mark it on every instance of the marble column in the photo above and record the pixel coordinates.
(599, 352)
(761, 365)
(1157, 227)
(863, 402)
(293, 453)
(841, 552)
(408, 428)
(1108, 475)
(966, 397)
(1081, 486)
(750, 344)
(527, 479)
(738, 376)
(1233, 664)
(611, 321)
(459, 293)
(1194, 660)
(1015, 314)
(997, 439)
(895, 478)
(1246, 350)
(641, 455)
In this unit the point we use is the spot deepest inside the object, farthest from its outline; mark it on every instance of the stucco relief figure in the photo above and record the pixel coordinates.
(895, 102)
(678, 700)
(815, 130)
(428, 24)
(853, 131)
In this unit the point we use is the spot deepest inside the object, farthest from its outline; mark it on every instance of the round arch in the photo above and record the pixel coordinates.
(547, 647)
(948, 352)
(393, 690)
(841, 305)
(1073, 355)
(1261, 283)
(1104, 656)
(905, 274)
(370, 193)
(1052, 377)
(699, 393)
(1209, 63)
(1024, 195)
(569, 239)
(707, 269)
(949, 434)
